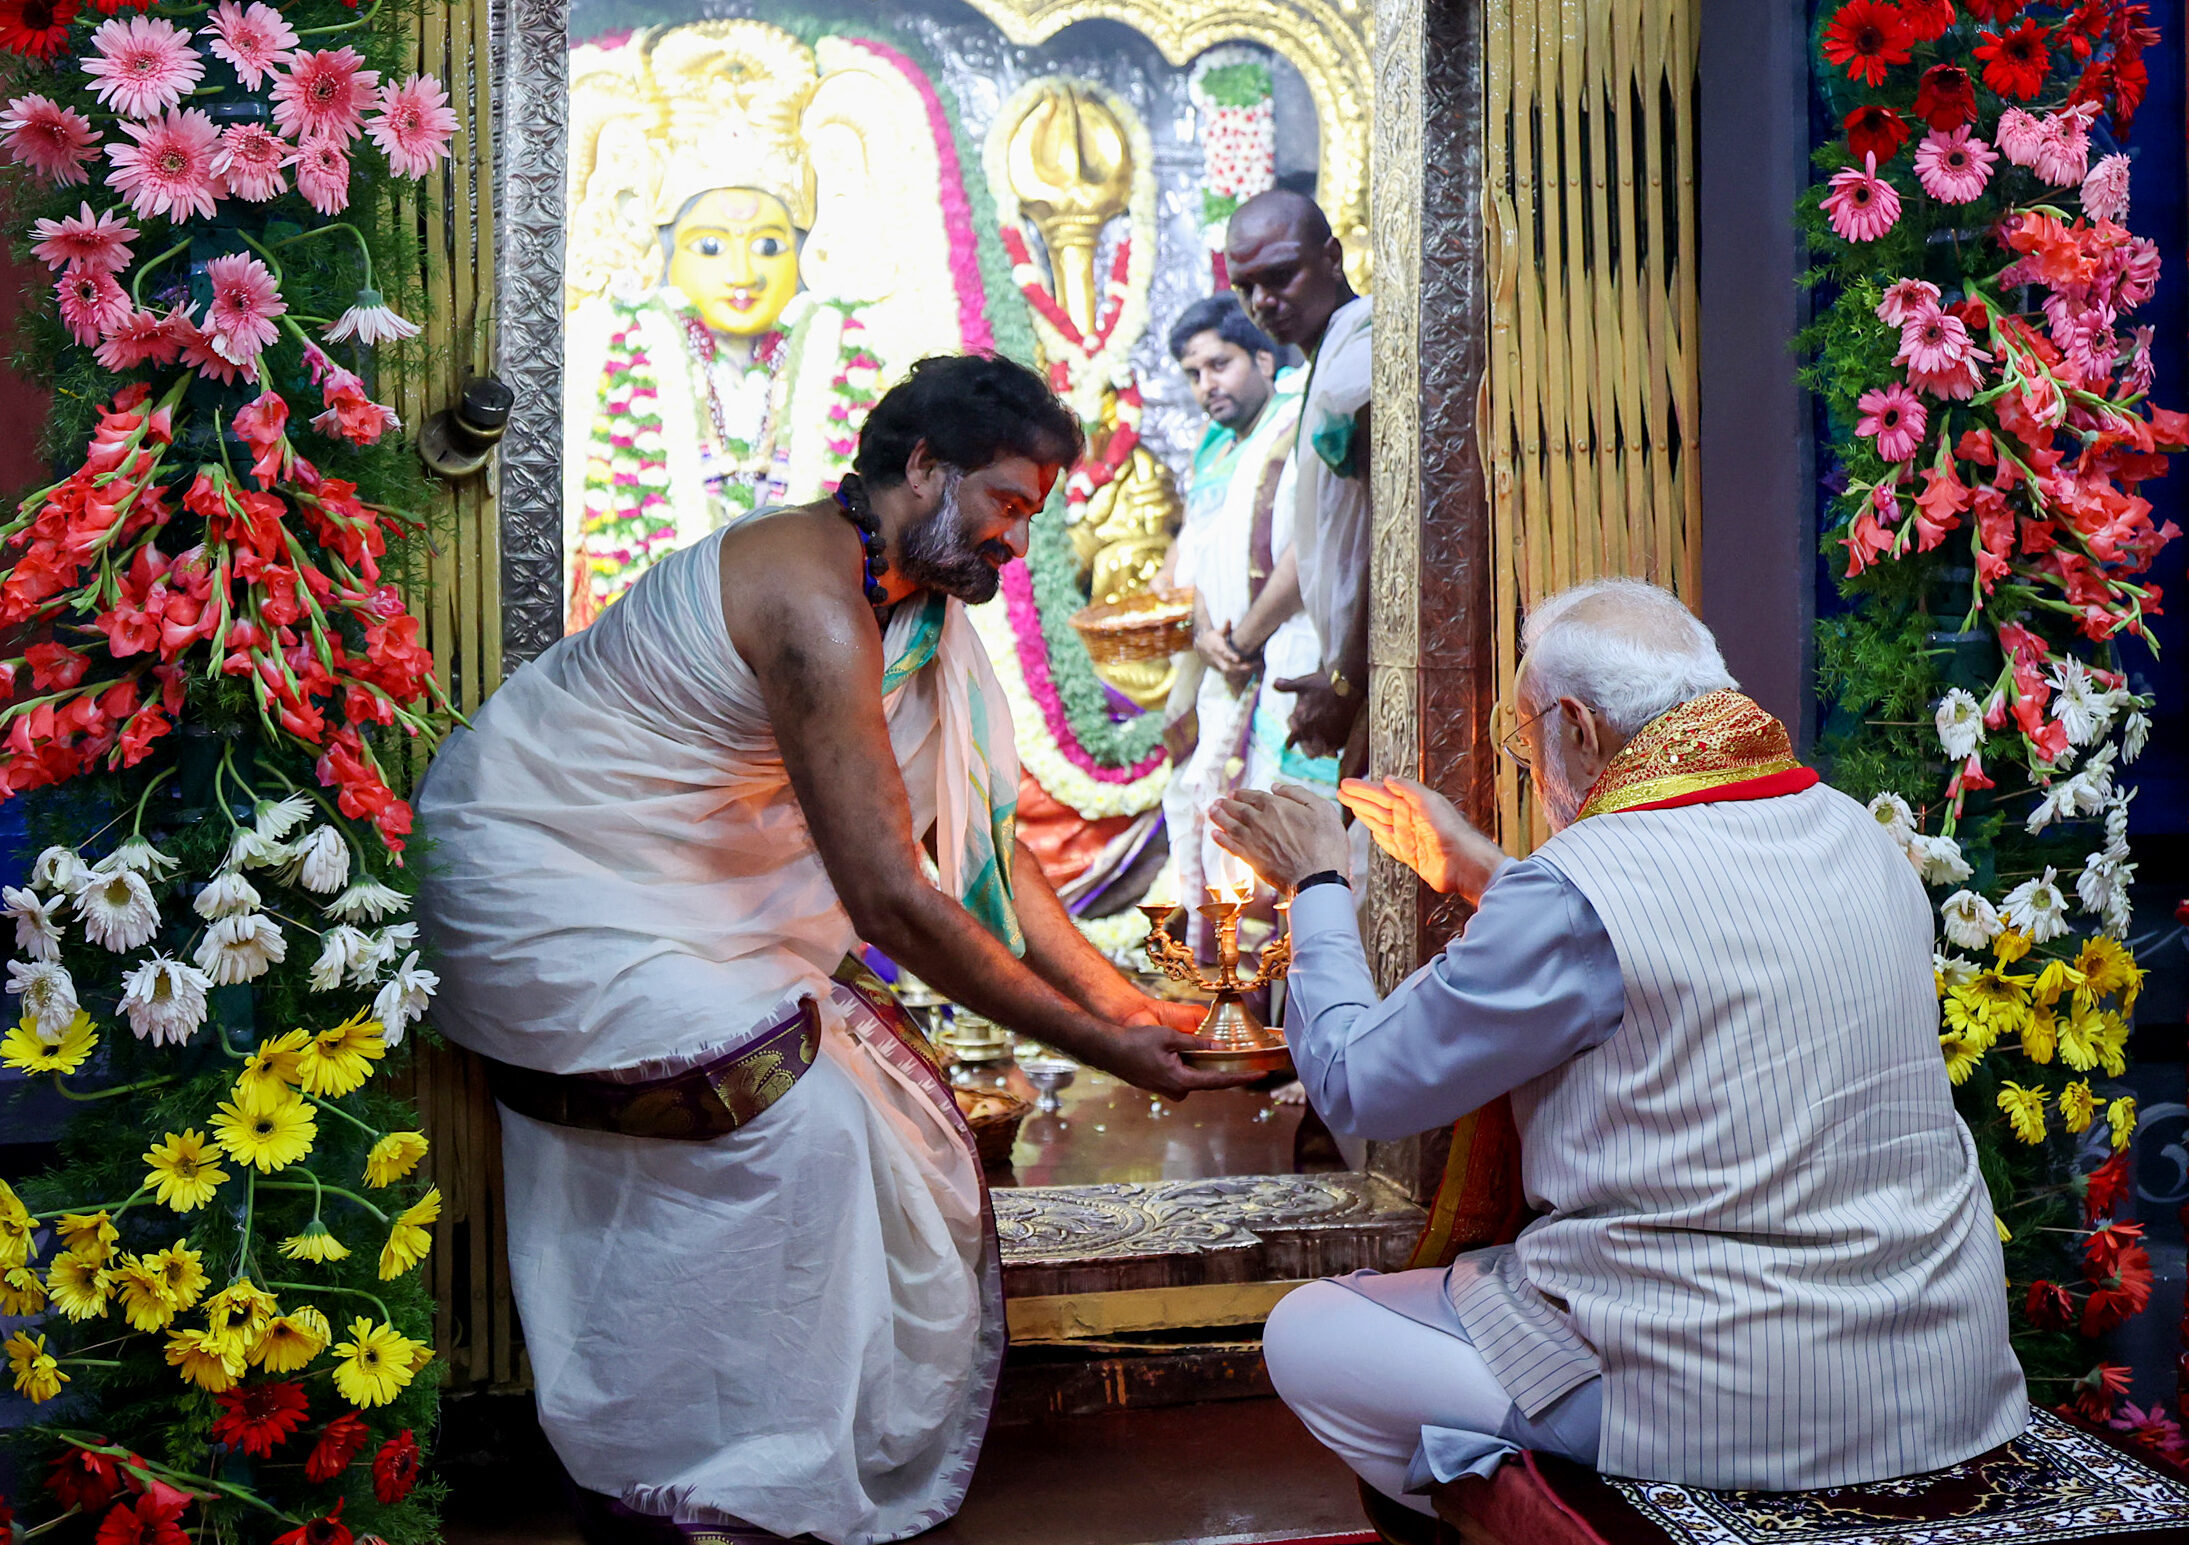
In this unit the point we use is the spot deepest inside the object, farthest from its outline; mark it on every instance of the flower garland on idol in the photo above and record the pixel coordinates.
(214, 684)
(1232, 91)
(1995, 530)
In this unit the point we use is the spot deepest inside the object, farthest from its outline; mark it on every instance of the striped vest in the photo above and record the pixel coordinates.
(1765, 1225)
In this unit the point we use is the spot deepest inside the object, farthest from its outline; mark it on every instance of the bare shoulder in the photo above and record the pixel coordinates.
(793, 575)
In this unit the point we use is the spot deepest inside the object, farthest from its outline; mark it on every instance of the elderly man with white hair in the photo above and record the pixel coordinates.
(1764, 1256)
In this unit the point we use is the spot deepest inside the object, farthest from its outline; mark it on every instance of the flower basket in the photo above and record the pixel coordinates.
(1151, 626)
(995, 1118)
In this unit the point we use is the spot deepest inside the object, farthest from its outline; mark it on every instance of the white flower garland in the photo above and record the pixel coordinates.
(1119, 937)
(1110, 364)
(1066, 783)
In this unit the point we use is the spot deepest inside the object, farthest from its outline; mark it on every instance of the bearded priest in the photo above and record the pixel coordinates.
(748, 1237)
(1764, 1257)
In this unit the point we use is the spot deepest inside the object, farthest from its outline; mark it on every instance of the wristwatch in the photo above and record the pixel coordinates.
(1338, 683)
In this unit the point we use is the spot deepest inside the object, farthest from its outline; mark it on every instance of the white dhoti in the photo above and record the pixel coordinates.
(797, 1325)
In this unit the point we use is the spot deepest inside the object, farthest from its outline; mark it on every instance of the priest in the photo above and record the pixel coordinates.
(1765, 1257)
(747, 1231)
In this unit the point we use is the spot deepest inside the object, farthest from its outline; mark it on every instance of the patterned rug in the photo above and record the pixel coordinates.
(2056, 1482)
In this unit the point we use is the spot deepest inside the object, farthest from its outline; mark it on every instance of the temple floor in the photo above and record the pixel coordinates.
(1108, 1130)
(1232, 1472)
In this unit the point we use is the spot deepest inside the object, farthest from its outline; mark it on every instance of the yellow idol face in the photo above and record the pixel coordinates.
(734, 254)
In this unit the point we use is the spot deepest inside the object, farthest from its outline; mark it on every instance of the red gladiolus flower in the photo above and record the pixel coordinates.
(1876, 131)
(2049, 1307)
(1946, 98)
(259, 1418)
(337, 1446)
(329, 1530)
(38, 28)
(1867, 36)
(2015, 63)
(84, 1480)
(151, 1520)
(2099, 1390)
(395, 1468)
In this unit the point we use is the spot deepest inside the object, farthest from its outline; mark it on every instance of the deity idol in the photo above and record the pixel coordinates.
(731, 317)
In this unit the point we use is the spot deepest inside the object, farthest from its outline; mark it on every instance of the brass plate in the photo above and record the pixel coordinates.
(1253, 1059)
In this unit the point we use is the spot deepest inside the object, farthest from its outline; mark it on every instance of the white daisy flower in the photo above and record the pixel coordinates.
(1891, 812)
(370, 322)
(2076, 703)
(2116, 819)
(250, 849)
(226, 894)
(1960, 720)
(2058, 803)
(2107, 874)
(139, 855)
(2134, 734)
(321, 863)
(164, 1000)
(1970, 920)
(36, 933)
(404, 997)
(367, 901)
(389, 943)
(49, 996)
(343, 952)
(59, 869)
(2037, 908)
(1938, 860)
(1953, 970)
(273, 820)
(117, 910)
(241, 948)
(2117, 917)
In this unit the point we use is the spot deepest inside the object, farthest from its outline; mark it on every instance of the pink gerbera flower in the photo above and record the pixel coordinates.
(2063, 146)
(1954, 168)
(143, 65)
(169, 170)
(323, 175)
(92, 304)
(413, 125)
(1957, 382)
(2105, 190)
(1932, 341)
(252, 38)
(85, 240)
(140, 338)
(1895, 416)
(324, 95)
(2136, 380)
(1862, 206)
(2018, 135)
(239, 323)
(250, 160)
(195, 346)
(52, 140)
(1904, 297)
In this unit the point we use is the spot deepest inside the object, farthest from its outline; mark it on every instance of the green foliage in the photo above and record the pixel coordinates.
(1245, 84)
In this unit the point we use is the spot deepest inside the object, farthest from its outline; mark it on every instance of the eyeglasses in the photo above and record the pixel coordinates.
(1515, 747)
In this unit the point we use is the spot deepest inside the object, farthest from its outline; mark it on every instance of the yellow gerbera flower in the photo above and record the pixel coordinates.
(183, 1175)
(1961, 1055)
(408, 1240)
(2002, 999)
(37, 1375)
(2121, 1117)
(2112, 1044)
(238, 1313)
(2006, 1235)
(2057, 977)
(21, 1293)
(16, 1228)
(91, 1235)
(143, 1295)
(79, 1286)
(2025, 1111)
(1969, 1018)
(2078, 1034)
(201, 1359)
(314, 1244)
(268, 1134)
(2039, 1033)
(339, 1059)
(2108, 966)
(291, 1340)
(2009, 946)
(2077, 1106)
(393, 1157)
(23, 1048)
(181, 1273)
(376, 1364)
(274, 1069)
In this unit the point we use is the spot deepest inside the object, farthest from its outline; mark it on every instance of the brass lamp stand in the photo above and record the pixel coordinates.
(1241, 1042)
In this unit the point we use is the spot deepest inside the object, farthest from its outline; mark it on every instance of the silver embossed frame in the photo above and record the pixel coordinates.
(531, 140)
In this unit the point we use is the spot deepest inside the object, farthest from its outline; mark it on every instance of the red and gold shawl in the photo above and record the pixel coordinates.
(1720, 746)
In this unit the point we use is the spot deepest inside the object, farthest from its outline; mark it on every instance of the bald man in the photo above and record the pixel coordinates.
(1289, 270)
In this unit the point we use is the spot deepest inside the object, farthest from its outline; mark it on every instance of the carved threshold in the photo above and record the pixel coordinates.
(1091, 1261)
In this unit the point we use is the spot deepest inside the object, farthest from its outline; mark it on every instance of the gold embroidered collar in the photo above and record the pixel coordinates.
(1702, 750)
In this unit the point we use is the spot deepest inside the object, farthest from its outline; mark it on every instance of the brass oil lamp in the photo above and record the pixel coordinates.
(1240, 1042)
